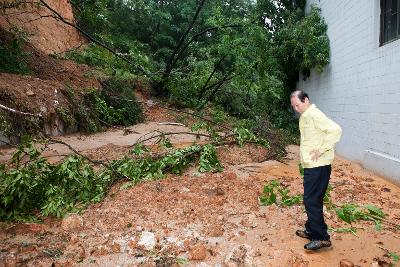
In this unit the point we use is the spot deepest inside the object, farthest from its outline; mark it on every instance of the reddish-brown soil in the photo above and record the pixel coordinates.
(44, 90)
(196, 219)
(43, 31)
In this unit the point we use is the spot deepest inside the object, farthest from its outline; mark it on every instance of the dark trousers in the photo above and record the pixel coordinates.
(316, 182)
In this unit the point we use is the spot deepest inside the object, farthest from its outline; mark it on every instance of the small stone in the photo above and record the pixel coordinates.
(185, 190)
(346, 263)
(215, 231)
(198, 252)
(73, 222)
(43, 110)
(30, 93)
(116, 248)
(149, 103)
(147, 240)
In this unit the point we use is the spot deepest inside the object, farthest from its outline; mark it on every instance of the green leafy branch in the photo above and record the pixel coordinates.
(352, 212)
(275, 193)
(33, 184)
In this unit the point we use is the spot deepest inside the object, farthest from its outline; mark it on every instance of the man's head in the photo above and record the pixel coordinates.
(299, 101)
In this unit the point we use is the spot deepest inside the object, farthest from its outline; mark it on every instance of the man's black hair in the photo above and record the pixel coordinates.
(301, 95)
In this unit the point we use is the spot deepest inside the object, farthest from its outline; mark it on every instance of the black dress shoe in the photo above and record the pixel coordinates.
(303, 234)
(317, 244)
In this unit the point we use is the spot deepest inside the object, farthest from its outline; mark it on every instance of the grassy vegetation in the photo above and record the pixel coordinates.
(12, 56)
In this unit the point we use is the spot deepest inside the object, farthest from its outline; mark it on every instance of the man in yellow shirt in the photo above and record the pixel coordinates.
(318, 136)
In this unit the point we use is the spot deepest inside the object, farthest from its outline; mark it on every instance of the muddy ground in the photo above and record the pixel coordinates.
(196, 219)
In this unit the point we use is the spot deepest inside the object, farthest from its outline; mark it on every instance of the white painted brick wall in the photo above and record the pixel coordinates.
(360, 88)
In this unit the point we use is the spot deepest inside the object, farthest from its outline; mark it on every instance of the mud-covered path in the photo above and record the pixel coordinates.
(203, 219)
(111, 138)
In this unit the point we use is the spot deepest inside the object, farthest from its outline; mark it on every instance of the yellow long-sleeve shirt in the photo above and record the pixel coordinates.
(317, 132)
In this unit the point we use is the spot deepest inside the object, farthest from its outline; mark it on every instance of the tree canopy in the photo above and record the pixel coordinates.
(243, 55)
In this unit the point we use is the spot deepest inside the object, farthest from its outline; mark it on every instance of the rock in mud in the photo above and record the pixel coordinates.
(147, 240)
(116, 248)
(30, 93)
(198, 252)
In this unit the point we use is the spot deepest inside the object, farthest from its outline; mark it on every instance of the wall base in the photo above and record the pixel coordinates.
(383, 164)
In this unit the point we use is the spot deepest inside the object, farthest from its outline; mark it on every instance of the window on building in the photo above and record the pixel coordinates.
(390, 21)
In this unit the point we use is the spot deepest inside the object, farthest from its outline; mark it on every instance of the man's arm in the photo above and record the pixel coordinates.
(332, 131)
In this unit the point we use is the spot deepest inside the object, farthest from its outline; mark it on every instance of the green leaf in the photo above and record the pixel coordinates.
(127, 185)
(394, 256)
(375, 211)
(378, 226)
(140, 149)
(301, 169)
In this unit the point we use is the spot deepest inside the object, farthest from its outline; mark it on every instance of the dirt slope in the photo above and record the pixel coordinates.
(44, 32)
(44, 91)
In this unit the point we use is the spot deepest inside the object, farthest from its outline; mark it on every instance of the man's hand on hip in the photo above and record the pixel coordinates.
(315, 154)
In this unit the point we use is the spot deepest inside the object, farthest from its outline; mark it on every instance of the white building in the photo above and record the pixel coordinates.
(360, 88)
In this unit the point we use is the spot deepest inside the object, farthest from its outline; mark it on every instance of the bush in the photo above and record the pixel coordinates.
(81, 110)
(100, 58)
(12, 56)
(119, 94)
(114, 104)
